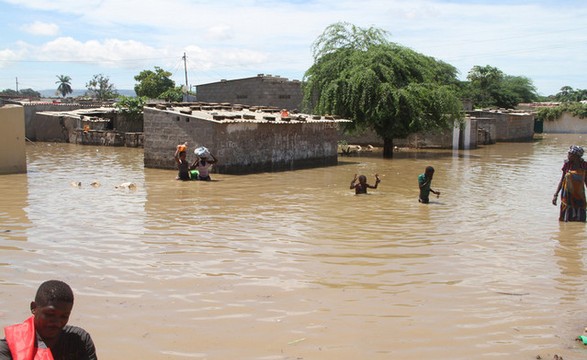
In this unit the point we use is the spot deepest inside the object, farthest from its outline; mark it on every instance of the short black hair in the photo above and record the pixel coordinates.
(52, 291)
(429, 169)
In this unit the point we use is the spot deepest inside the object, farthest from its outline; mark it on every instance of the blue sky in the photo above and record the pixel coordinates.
(545, 41)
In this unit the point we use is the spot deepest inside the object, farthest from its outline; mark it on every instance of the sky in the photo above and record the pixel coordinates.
(545, 41)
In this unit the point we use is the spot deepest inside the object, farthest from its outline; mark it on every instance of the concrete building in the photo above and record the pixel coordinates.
(505, 125)
(12, 140)
(266, 90)
(245, 140)
(96, 126)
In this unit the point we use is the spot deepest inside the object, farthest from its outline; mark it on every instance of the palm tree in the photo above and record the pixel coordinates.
(64, 87)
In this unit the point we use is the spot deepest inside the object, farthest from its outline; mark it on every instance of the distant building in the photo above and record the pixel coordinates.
(265, 90)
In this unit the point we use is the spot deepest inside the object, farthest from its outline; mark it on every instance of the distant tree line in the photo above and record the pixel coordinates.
(27, 93)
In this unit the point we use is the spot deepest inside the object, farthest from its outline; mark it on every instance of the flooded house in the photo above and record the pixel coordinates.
(244, 139)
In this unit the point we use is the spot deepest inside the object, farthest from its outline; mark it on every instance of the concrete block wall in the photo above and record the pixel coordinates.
(566, 124)
(425, 139)
(106, 138)
(263, 90)
(12, 140)
(30, 111)
(508, 126)
(51, 128)
(241, 147)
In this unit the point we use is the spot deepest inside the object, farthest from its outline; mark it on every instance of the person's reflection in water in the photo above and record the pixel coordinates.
(569, 253)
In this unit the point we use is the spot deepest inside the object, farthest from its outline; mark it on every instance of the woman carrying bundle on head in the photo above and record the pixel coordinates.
(572, 184)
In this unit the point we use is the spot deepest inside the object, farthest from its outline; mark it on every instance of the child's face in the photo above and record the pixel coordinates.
(50, 319)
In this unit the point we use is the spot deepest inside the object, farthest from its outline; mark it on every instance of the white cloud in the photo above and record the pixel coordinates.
(109, 52)
(230, 37)
(7, 57)
(41, 28)
(220, 33)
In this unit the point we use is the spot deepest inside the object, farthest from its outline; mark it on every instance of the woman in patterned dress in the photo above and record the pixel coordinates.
(572, 184)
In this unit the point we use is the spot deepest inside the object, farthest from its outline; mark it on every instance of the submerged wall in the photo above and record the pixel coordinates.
(566, 124)
(486, 127)
(97, 126)
(12, 140)
(506, 126)
(241, 146)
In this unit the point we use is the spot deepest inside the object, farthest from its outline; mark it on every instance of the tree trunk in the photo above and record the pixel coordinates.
(388, 148)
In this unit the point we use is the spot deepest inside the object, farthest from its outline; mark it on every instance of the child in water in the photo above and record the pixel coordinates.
(361, 187)
(424, 181)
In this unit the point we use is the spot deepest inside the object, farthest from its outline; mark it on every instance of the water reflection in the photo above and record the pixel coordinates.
(293, 264)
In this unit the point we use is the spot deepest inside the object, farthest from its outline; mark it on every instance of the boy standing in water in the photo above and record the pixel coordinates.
(45, 335)
(361, 187)
(424, 181)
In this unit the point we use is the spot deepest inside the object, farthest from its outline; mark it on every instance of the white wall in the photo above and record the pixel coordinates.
(566, 124)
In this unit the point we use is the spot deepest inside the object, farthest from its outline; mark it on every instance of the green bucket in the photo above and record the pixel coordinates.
(194, 174)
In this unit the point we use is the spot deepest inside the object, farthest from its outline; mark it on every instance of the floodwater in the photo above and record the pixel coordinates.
(293, 265)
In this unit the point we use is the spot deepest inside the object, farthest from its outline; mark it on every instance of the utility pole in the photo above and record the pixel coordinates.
(185, 68)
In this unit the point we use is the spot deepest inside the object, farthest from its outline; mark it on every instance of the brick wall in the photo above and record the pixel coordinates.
(240, 146)
(263, 90)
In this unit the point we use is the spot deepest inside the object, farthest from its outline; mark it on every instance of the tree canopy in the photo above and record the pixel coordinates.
(568, 94)
(153, 83)
(132, 107)
(64, 87)
(101, 88)
(395, 91)
(490, 87)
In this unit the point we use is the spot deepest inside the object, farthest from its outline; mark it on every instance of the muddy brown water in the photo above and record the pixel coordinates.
(293, 265)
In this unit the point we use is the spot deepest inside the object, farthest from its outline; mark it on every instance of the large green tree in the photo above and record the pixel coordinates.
(64, 87)
(491, 87)
(101, 88)
(131, 106)
(153, 83)
(395, 91)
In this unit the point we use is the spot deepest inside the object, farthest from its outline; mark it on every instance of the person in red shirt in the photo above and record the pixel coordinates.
(45, 335)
